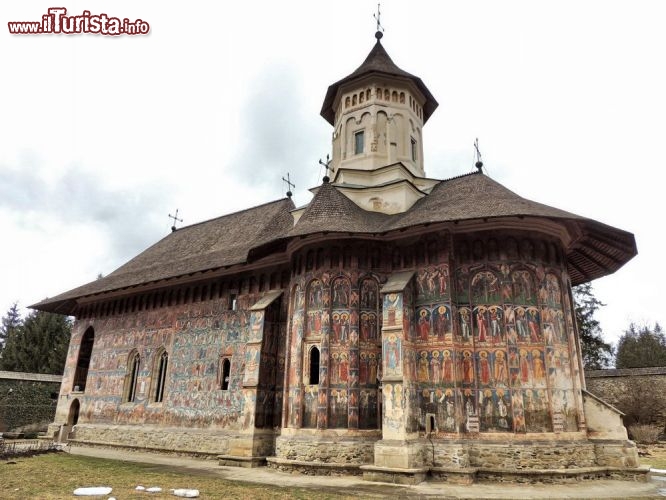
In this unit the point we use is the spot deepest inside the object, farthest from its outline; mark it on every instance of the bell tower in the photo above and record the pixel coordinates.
(378, 113)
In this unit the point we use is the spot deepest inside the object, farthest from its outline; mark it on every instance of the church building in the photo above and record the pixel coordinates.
(398, 327)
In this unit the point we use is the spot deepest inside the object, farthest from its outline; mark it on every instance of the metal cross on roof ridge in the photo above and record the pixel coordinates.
(175, 219)
(479, 163)
(289, 185)
(327, 167)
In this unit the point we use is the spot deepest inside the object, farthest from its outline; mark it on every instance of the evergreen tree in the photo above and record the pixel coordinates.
(39, 345)
(10, 322)
(641, 347)
(597, 353)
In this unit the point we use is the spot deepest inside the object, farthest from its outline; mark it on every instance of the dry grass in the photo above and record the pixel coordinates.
(644, 433)
(56, 475)
(654, 455)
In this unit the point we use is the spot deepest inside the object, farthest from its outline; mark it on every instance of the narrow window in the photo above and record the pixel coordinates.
(224, 376)
(314, 366)
(160, 376)
(233, 301)
(359, 139)
(83, 362)
(413, 149)
(132, 377)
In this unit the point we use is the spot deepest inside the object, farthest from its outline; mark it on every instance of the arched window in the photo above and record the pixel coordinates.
(73, 415)
(314, 366)
(133, 363)
(159, 375)
(83, 362)
(225, 370)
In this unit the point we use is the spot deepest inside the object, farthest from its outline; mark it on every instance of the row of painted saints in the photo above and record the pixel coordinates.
(500, 410)
(517, 287)
(343, 328)
(432, 283)
(491, 325)
(521, 367)
(344, 408)
(369, 367)
(341, 295)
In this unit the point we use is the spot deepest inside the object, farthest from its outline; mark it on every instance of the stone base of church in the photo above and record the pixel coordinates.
(327, 447)
(314, 468)
(194, 442)
(414, 475)
(459, 461)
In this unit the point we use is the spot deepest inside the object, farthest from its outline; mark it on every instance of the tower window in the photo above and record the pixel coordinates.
(413, 149)
(359, 142)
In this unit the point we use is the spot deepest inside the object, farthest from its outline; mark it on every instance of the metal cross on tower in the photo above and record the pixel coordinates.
(479, 163)
(327, 167)
(175, 219)
(289, 185)
(380, 28)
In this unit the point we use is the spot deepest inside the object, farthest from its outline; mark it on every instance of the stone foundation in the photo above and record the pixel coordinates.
(551, 476)
(198, 442)
(326, 449)
(531, 455)
(313, 468)
(616, 454)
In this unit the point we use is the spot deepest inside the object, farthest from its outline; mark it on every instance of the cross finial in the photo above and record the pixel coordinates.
(175, 219)
(380, 28)
(327, 167)
(289, 185)
(479, 163)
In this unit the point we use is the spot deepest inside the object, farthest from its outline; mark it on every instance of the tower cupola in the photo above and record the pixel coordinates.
(378, 113)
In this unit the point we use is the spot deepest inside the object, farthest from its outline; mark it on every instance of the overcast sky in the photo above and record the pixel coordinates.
(102, 137)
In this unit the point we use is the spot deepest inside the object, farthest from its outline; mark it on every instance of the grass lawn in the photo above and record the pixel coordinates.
(655, 457)
(57, 475)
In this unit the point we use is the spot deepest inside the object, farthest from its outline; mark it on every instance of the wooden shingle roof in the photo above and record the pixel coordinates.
(595, 250)
(208, 245)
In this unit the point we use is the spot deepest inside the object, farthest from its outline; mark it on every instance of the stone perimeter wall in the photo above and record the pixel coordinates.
(610, 384)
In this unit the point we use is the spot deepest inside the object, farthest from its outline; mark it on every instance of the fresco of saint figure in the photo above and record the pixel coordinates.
(485, 288)
(464, 318)
(341, 293)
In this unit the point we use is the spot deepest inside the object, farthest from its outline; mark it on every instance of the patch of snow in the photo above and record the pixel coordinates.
(154, 489)
(185, 493)
(92, 491)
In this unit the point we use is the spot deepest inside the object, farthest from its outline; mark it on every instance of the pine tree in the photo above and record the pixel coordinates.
(597, 353)
(39, 345)
(641, 347)
(10, 322)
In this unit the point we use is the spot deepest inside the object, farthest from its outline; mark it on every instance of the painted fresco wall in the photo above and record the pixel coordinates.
(196, 337)
(337, 314)
(497, 353)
